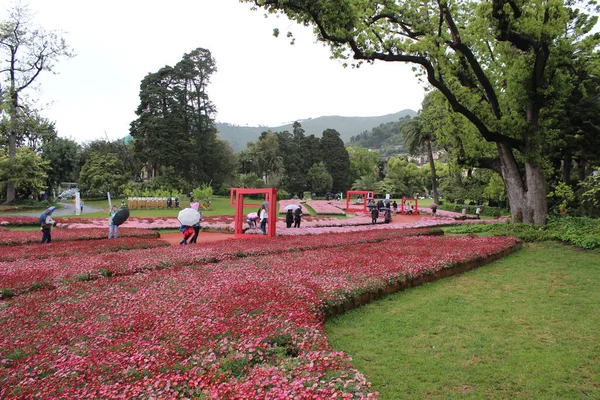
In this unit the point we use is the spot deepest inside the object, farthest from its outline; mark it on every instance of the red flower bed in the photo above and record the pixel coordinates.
(244, 328)
(12, 237)
(77, 248)
(17, 277)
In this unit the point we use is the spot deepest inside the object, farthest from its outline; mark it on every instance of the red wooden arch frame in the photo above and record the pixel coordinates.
(366, 195)
(240, 216)
(407, 199)
(232, 199)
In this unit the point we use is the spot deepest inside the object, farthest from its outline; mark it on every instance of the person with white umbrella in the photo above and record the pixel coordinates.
(188, 217)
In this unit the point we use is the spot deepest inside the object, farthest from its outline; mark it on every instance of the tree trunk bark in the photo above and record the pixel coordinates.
(434, 192)
(527, 196)
(12, 148)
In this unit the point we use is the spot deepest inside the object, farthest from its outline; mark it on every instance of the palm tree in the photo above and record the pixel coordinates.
(415, 138)
(365, 182)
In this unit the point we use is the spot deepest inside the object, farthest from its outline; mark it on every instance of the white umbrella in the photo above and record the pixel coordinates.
(291, 207)
(188, 217)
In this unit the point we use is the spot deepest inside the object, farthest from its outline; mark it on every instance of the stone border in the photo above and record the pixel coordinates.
(446, 272)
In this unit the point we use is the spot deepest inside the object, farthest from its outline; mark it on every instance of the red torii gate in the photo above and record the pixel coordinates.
(366, 195)
(240, 216)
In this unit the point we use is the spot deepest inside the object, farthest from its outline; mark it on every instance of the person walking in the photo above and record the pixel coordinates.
(196, 227)
(263, 219)
(395, 207)
(47, 223)
(289, 218)
(374, 215)
(113, 230)
(297, 217)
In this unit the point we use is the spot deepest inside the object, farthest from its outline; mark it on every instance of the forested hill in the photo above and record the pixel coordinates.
(385, 137)
(348, 127)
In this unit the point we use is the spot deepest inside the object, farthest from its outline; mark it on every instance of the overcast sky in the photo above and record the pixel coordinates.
(260, 79)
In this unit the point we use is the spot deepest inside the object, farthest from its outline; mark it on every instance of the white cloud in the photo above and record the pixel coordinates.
(260, 79)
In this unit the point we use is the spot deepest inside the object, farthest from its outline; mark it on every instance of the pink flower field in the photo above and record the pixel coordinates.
(231, 319)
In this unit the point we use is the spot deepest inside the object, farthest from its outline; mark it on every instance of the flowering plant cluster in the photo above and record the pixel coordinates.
(248, 327)
(21, 276)
(324, 207)
(11, 237)
(79, 248)
(284, 203)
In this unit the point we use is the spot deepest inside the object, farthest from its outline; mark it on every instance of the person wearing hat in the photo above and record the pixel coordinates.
(47, 224)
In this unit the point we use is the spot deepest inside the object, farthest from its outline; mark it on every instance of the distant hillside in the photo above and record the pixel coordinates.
(239, 136)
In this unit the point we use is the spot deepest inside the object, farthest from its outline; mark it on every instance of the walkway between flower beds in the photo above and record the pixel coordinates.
(175, 238)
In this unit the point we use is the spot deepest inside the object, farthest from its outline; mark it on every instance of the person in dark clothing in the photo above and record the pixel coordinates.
(379, 205)
(289, 218)
(374, 215)
(297, 217)
(395, 207)
(47, 224)
(388, 216)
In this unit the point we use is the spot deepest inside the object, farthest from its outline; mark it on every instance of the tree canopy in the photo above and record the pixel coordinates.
(503, 65)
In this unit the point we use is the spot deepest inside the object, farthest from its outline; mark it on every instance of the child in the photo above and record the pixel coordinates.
(187, 233)
(113, 230)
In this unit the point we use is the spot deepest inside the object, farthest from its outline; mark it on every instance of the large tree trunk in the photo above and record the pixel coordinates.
(434, 192)
(12, 149)
(527, 196)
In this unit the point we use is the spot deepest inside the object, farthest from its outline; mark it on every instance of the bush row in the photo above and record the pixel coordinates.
(580, 231)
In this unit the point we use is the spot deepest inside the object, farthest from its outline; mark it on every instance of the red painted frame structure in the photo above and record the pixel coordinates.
(232, 198)
(240, 216)
(404, 200)
(366, 195)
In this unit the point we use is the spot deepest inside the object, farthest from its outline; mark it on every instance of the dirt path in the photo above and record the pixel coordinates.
(175, 238)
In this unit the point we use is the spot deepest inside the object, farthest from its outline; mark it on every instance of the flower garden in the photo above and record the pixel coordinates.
(132, 318)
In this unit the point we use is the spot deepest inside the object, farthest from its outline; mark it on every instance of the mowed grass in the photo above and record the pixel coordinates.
(525, 327)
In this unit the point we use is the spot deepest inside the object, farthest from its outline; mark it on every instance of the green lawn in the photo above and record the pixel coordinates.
(526, 327)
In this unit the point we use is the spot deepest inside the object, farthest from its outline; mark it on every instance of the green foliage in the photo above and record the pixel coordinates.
(319, 178)
(581, 232)
(63, 157)
(363, 162)
(102, 173)
(591, 190)
(563, 194)
(174, 127)
(336, 159)
(203, 195)
(27, 171)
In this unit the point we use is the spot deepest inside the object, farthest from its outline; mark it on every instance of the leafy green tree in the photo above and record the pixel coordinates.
(417, 139)
(363, 162)
(25, 52)
(63, 157)
(319, 178)
(102, 173)
(27, 171)
(293, 149)
(404, 176)
(365, 182)
(337, 160)
(501, 64)
(175, 129)
(270, 159)
(250, 180)
(591, 192)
